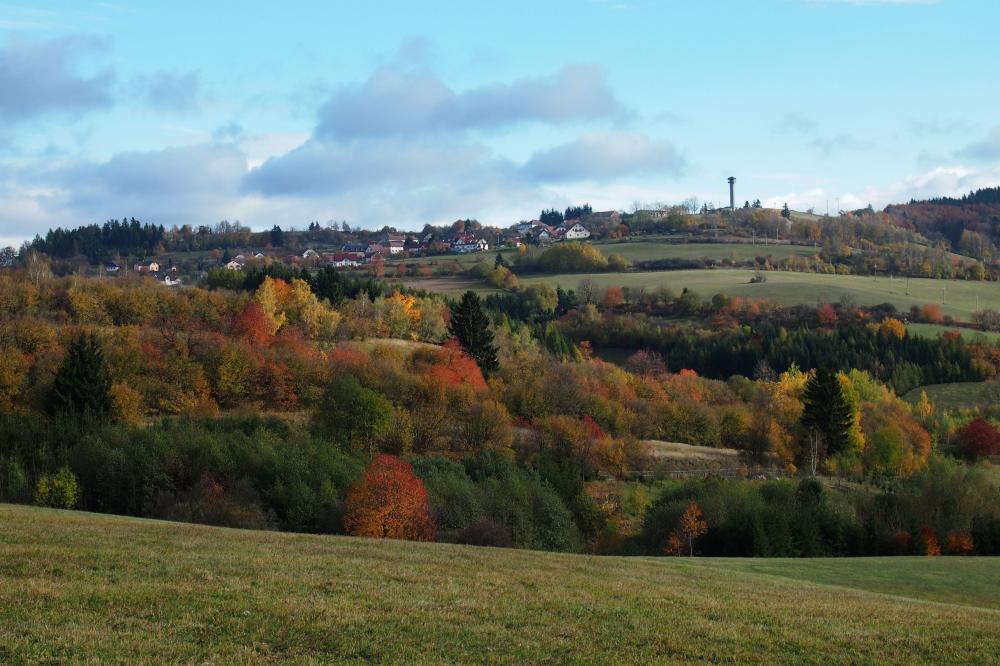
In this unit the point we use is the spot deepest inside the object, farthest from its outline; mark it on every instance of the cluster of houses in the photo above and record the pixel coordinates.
(389, 245)
(356, 254)
(163, 274)
(352, 255)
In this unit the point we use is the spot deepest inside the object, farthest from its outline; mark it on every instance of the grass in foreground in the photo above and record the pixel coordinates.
(82, 586)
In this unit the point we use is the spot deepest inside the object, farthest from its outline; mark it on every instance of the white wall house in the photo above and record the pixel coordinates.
(577, 232)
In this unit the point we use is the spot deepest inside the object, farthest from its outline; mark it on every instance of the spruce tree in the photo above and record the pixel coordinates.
(827, 410)
(471, 326)
(82, 386)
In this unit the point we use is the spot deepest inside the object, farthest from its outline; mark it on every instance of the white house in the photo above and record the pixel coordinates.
(577, 232)
(466, 244)
(171, 282)
(234, 265)
(310, 254)
(526, 227)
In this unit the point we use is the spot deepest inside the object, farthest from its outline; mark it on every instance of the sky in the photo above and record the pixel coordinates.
(406, 113)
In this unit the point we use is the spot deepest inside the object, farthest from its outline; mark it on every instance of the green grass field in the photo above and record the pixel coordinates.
(957, 396)
(960, 297)
(646, 250)
(643, 251)
(934, 330)
(83, 587)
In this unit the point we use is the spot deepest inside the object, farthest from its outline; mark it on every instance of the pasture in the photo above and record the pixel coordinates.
(955, 297)
(934, 330)
(644, 250)
(959, 395)
(85, 587)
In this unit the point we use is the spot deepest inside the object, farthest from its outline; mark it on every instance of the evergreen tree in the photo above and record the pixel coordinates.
(785, 211)
(82, 386)
(277, 236)
(827, 412)
(500, 261)
(566, 301)
(551, 217)
(471, 326)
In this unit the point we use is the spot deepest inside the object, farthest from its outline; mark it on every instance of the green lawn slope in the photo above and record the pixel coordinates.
(83, 587)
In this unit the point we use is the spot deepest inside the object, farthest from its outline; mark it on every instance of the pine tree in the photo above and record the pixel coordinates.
(471, 326)
(827, 412)
(277, 236)
(82, 386)
(785, 211)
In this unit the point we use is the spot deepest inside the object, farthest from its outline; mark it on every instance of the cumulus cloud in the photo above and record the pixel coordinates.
(399, 148)
(170, 91)
(171, 186)
(950, 181)
(984, 150)
(41, 77)
(397, 101)
(323, 167)
(605, 156)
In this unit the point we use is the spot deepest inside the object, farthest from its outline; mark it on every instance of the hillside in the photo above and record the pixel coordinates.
(968, 223)
(115, 589)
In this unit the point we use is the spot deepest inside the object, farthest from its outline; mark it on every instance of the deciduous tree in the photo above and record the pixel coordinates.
(389, 502)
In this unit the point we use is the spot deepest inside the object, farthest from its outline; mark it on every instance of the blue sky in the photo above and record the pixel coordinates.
(404, 113)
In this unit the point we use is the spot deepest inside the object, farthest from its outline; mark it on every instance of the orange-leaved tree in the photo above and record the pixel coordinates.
(253, 324)
(389, 502)
(690, 528)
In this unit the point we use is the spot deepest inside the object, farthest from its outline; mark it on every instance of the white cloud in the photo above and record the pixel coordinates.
(949, 181)
(605, 156)
(42, 77)
(400, 101)
(984, 150)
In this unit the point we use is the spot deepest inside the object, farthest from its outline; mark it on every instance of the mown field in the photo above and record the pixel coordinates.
(934, 330)
(960, 297)
(958, 395)
(645, 251)
(82, 587)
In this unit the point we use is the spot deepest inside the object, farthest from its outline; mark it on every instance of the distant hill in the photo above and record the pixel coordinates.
(971, 224)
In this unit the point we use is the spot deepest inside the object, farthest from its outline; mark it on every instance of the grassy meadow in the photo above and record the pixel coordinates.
(786, 288)
(636, 251)
(77, 586)
(934, 330)
(958, 395)
(644, 250)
